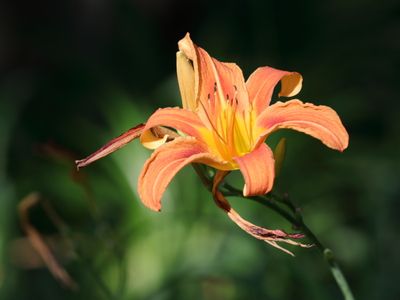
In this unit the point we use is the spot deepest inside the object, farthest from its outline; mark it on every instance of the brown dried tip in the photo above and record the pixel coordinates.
(267, 235)
(111, 146)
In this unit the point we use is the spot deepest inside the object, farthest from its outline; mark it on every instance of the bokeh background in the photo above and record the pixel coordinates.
(75, 74)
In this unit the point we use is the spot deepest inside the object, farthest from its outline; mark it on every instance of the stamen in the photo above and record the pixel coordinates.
(211, 123)
(232, 125)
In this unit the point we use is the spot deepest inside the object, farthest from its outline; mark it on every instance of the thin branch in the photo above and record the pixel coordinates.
(298, 222)
(294, 216)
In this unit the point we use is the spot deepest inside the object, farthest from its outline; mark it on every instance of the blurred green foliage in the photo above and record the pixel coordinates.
(74, 74)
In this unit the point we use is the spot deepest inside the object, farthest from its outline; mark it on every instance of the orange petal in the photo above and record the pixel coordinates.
(181, 119)
(112, 146)
(262, 82)
(164, 163)
(258, 169)
(214, 81)
(320, 122)
(186, 80)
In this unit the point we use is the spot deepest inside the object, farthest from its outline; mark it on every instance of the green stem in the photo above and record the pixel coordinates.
(201, 172)
(338, 275)
(271, 201)
(231, 191)
(294, 216)
(326, 252)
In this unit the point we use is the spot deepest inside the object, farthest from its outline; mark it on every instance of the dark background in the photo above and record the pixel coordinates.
(74, 74)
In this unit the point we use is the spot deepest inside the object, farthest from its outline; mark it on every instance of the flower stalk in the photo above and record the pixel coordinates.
(294, 216)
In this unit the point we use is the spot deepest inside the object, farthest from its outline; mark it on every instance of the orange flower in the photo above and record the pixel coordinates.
(224, 123)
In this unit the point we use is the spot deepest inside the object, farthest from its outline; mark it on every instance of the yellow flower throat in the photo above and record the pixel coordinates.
(231, 130)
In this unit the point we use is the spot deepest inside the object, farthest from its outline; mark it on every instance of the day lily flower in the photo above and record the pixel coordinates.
(224, 123)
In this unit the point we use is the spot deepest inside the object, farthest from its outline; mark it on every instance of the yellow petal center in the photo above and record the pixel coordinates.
(231, 132)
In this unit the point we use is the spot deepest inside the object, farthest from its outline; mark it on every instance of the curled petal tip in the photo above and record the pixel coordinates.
(345, 144)
(291, 84)
(180, 119)
(81, 163)
(245, 191)
(77, 164)
(262, 82)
